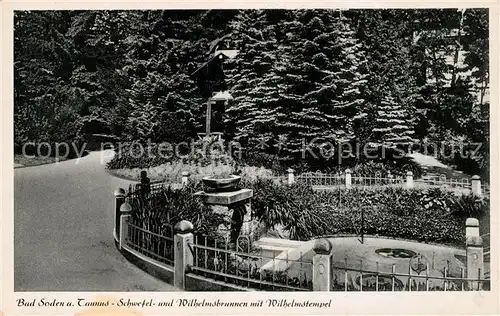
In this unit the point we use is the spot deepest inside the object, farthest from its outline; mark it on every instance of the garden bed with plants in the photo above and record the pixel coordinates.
(432, 216)
(213, 157)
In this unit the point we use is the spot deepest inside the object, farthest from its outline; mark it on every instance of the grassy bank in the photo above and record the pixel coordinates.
(173, 171)
(26, 161)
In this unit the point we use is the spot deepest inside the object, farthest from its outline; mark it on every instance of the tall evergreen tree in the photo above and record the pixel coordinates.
(393, 128)
(163, 98)
(252, 80)
(324, 80)
(391, 88)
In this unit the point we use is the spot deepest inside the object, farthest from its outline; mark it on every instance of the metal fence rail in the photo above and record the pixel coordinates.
(485, 189)
(240, 265)
(154, 241)
(377, 181)
(486, 247)
(321, 179)
(442, 181)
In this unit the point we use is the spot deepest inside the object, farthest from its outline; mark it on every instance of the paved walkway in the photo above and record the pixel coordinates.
(63, 221)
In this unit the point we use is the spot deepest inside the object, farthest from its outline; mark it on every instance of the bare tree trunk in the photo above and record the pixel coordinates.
(458, 46)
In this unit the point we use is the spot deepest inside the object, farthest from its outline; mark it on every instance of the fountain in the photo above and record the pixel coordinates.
(224, 192)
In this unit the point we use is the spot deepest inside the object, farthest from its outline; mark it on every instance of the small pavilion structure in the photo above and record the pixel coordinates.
(211, 81)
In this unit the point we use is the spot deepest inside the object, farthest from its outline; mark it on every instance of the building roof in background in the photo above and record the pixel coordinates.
(222, 96)
(230, 53)
(227, 53)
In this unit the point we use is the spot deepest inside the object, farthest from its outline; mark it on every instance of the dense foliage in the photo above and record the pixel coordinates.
(422, 215)
(387, 78)
(170, 206)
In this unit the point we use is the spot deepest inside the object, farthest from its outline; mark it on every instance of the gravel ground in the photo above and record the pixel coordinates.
(63, 221)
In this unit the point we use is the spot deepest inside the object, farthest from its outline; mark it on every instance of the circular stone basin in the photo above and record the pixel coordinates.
(222, 184)
(399, 253)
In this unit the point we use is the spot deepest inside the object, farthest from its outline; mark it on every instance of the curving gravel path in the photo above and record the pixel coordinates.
(63, 221)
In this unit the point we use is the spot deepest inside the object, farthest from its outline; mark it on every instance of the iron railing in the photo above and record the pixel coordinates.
(443, 181)
(338, 180)
(485, 189)
(152, 240)
(378, 181)
(321, 179)
(347, 277)
(242, 265)
(486, 247)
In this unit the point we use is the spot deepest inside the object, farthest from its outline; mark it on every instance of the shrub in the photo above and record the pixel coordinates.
(294, 208)
(201, 153)
(424, 215)
(169, 206)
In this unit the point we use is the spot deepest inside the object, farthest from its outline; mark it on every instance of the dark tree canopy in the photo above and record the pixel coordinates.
(388, 78)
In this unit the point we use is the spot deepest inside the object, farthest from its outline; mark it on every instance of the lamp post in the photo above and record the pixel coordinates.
(224, 96)
(209, 116)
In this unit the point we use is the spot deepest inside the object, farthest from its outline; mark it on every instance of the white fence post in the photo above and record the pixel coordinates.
(183, 257)
(474, 253)
(409, 180)
(291, 176)
(390, 177)
(119, 199)
(348, 178)
(126, 214)
(322, 265)
(476, 185)
(185, 178)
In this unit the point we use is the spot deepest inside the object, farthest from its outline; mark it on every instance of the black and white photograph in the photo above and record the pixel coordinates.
(247, 150)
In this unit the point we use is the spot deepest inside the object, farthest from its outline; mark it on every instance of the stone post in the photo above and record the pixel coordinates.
(390, 177)
(291, 176)
(476, 185)
(322, 265)
(126, 214)
(185, 178)
(474, 253)
(348, 179)
(119, 199)
(409, 180)
(183, 256)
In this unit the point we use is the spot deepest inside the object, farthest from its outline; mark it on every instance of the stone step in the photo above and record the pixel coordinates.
(278, 242)
(290, 257)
